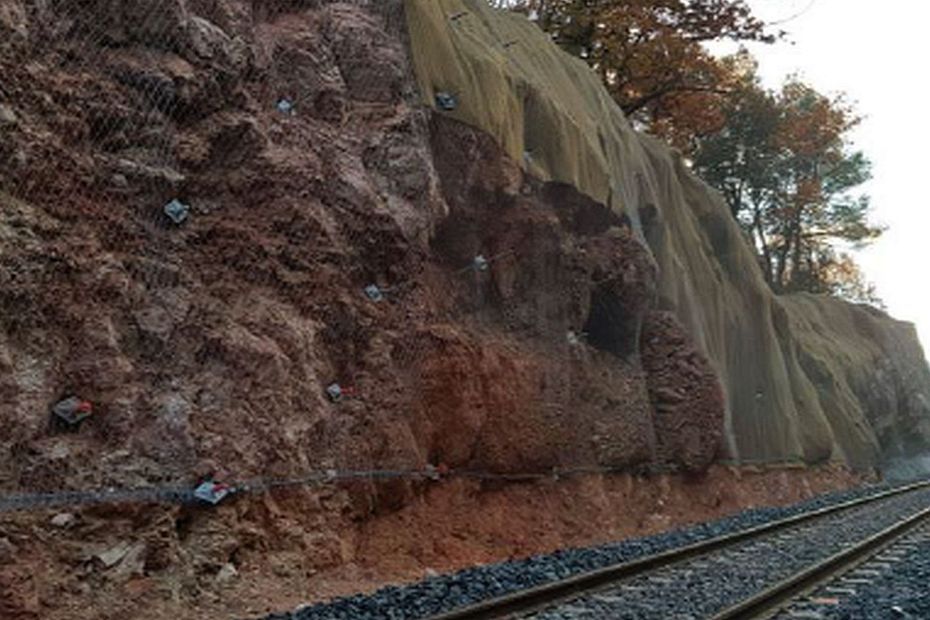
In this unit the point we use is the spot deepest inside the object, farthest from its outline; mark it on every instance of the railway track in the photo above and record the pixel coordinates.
(874, 587)
(755, 573)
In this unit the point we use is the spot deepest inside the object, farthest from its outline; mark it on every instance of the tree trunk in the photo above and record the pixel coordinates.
(763, 245)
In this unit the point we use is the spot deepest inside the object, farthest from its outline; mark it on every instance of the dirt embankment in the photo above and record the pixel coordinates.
(258, 554)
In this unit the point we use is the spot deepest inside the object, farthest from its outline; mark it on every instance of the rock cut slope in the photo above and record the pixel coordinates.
(517, 331)
(615, 321)
(209, 345)
(800, 373)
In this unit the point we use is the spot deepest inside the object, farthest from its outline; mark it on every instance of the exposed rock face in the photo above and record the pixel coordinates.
(207, 344)
(686, 397)
(510, 336)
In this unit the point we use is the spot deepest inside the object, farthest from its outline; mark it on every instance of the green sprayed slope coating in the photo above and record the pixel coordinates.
(504, 72)
(796, 370)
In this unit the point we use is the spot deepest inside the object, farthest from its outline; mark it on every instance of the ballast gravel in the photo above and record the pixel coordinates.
(446, 592)
(707, 585)
(893, 585)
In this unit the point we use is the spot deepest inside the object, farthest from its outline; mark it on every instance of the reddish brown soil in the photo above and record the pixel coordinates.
(47, 572)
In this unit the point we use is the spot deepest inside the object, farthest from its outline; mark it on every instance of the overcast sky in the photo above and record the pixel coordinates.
(878, 53)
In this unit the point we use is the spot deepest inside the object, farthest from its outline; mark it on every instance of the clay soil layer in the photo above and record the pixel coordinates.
(53, 571)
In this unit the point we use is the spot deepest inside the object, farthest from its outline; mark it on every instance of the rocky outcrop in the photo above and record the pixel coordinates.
(510, 334)
(294, 133)
(207, 344)
(686, 397)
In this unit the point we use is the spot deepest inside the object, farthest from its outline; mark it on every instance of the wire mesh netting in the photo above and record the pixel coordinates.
(229, 255)
(267, 307)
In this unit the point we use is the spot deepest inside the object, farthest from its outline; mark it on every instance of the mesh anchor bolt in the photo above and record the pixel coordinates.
(480, 263)
(73, 410)
(334, 391)
(576, 338)
(177, 211)
(446, 101)
(285, 106)
(212, 492)
(435, 473)
(374, 293)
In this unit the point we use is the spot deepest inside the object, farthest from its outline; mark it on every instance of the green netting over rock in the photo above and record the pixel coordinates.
(805, 377)
(543, 106)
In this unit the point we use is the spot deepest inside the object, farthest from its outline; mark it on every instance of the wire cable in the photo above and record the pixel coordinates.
(791, 18)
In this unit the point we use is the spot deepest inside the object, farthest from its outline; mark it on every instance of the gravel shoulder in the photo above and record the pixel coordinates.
(709, 584)
(445, 592)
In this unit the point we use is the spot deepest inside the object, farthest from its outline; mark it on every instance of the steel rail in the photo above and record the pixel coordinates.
(539, 597)
(770, 601)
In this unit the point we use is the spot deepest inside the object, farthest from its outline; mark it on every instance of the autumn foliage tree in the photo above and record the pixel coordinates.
(781, 158)
(650, 55)
(783, 162)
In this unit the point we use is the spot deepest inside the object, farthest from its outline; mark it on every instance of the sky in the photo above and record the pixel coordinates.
(876, 52)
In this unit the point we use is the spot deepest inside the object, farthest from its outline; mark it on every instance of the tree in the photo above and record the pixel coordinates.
(650, 55)
(784, 165)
